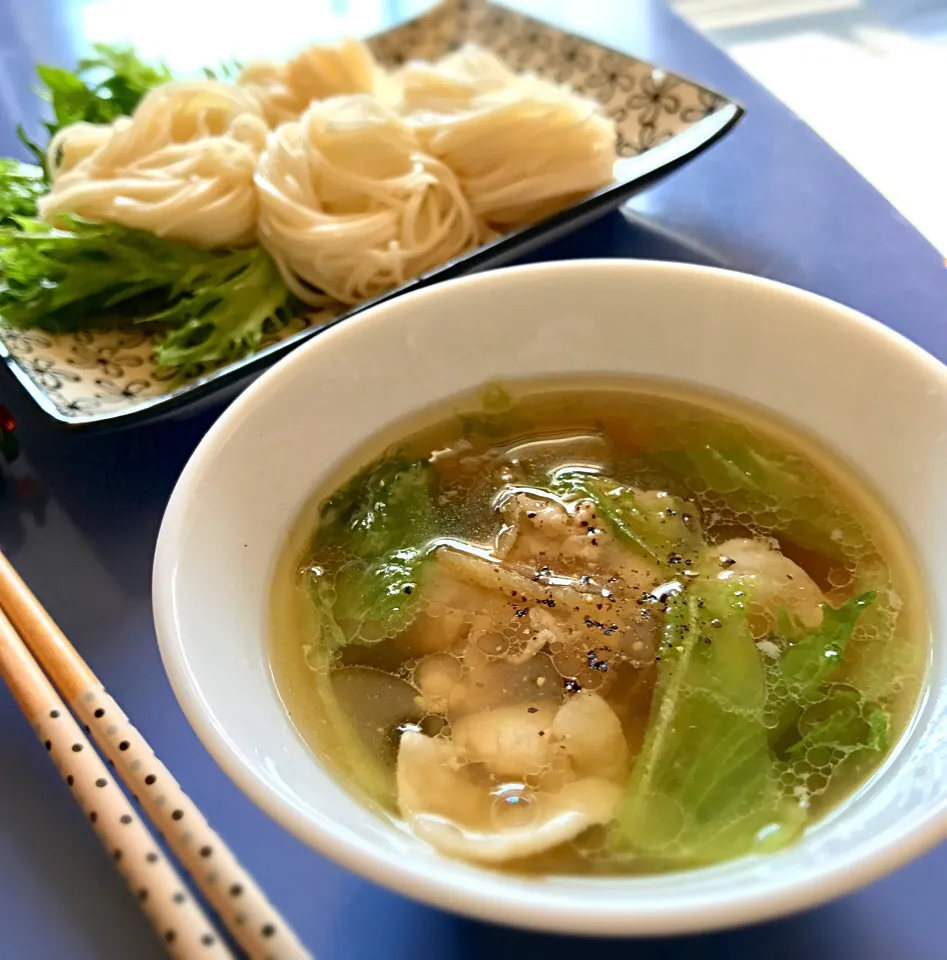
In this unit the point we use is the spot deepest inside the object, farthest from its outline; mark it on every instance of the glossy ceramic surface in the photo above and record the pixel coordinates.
(796, 355)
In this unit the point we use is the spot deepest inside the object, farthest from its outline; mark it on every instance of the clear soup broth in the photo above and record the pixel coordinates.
(599, 628)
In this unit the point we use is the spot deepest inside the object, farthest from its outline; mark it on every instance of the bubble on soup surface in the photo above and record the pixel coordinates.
(514, 805)
(434, 725)
(758, 620)
(839, 577)
(817, 782)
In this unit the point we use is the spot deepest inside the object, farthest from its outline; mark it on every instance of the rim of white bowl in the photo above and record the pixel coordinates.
(542, 907)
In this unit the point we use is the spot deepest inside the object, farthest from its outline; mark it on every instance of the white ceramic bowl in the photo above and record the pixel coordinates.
(874, 397)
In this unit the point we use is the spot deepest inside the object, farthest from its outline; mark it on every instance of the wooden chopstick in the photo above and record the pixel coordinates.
(177, 918)
(243, 908)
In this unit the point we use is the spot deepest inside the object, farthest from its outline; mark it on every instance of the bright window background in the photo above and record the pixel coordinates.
(870, 76)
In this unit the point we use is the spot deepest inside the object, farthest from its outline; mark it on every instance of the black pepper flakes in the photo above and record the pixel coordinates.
(595, 663)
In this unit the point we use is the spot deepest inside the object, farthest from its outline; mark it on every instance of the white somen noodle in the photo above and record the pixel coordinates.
(285, 90)
(522, 148)
(350, 205)
(181, 167)
(449, 85)
(354, 179)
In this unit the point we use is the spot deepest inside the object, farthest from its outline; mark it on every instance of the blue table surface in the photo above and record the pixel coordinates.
(79, 514)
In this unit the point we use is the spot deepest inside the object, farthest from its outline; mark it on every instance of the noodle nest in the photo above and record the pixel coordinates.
(350, 205)
(182, 167)
(354, 179)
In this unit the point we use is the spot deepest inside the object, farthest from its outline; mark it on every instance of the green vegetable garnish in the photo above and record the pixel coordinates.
(813, 659)
(801, 698)
(842, 722)
(382, 524)
(21, 185)
(761, 485)
(705, 787)
(212, 306)
(726, 727)
(102, 87)
(667, 529)
(215, 304)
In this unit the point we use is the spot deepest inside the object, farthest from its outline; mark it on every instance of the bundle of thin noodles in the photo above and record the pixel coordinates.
(350, 205)
(285, 90)
(522, 148)
(448, 86)
(181, 167)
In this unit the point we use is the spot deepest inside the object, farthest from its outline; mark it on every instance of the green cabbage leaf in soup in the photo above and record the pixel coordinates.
(376, 531)
(807, 708)
(705, 786)
(373, 535)
(765, 486)
(733, 734)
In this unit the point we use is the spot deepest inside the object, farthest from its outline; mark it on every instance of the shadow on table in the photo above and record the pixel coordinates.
(839, 930)
(786, 940)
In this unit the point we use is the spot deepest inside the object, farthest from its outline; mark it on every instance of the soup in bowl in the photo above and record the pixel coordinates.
(590, 596)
